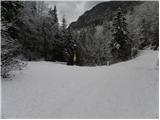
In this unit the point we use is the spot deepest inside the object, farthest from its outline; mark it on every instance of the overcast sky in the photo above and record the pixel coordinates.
(72, 9)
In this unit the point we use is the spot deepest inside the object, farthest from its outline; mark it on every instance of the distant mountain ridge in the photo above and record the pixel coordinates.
(102, 11)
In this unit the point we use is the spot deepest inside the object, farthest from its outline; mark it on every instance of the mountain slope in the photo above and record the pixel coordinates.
(49, 90)
(102, 11)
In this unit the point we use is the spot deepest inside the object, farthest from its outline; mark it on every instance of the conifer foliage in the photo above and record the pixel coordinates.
(120, 44)
(10, 46)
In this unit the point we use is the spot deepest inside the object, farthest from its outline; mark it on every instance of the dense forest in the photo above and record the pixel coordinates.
(31, 32)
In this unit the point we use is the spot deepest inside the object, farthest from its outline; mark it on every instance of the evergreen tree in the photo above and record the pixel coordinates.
(57, 39)
(53, 13)
(69, 47)
(120, 44)
(155, 41)
(64, 24)
(64, 41)
(10, 10)
(33, 9)
(29, 31)
(144, 34)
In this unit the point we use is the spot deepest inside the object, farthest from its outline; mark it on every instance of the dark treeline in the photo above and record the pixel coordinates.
(31, 32)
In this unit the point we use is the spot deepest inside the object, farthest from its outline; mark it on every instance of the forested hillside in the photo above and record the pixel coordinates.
(103, 11)
(141, 25)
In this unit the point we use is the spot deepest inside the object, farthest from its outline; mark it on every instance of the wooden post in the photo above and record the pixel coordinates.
(107, 63)
(131, 53)
(74, 54)
(74, 57)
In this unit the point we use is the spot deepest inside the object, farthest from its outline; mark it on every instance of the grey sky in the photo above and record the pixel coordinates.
(72, 9)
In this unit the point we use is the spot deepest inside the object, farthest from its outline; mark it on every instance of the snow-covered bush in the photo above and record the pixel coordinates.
(10, 47)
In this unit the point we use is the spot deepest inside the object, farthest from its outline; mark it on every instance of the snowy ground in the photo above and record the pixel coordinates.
(49, 90)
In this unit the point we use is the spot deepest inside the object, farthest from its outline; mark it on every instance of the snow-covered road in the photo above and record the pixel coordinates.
(50, 90)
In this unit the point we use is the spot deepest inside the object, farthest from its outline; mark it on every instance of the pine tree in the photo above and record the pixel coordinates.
(33, 8)
(53, 14)
(155, 42)
(64, 24)
(70, 47)
(120, 44)
(56, 40)
(144, 41)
